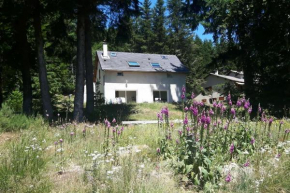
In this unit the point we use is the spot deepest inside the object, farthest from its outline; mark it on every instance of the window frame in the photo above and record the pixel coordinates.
(138, 65)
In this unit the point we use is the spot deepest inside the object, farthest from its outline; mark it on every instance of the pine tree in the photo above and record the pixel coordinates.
(159, 38)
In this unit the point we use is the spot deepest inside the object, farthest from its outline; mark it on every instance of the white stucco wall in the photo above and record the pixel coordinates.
(144, 83)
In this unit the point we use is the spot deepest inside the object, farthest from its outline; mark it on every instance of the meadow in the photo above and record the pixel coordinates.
(218, 149)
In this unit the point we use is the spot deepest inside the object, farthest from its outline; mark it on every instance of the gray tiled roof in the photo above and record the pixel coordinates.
(120, 62)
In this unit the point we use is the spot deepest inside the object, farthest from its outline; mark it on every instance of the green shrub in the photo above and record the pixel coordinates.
(14, 101)
(9, 121)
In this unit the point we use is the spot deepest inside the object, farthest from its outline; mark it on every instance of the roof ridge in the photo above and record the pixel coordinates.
(138, 53)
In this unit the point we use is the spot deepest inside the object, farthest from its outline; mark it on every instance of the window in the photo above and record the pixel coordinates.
(133, 64)
(164, 57)
(160, 96)
(113, 54)
(155, 64)
(120, 74)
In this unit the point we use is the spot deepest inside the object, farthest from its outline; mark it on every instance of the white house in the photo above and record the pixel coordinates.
(214, 79)
(134, 77)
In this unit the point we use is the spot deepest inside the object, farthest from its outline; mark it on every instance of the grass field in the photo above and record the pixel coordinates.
(36, 157)
(139, 111)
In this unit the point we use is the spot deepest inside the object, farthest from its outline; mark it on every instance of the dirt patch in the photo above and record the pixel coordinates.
(7, 136)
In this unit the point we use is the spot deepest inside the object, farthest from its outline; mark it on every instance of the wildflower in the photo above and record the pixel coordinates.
(185, 109)
(165, 111)
(214, 104)
(239, 103)
(246, 105)
(158, 150)
(55, 143)
(192, 95)
(247, 164)
(142, 166)
(119, 132)
(229, 97)
(205, 126)
(194, 110)
(84, 130)
(72, 133)
(183, 89)
(226, 127)
(177, 141)
(233, 112)
(58, 114)
(211, 111)
(34, 139)
(171, 125)
(61, 140)
(185, 122)
(110, 172)
(114, 120)
(252, 140)
(122, 128)
(228, 178)
(281, 122)
(287, 131)
(207, 120)
(232, 148)
(250, 110)
(270, 121)
(183, 96)
(230, 102)
(180, 132)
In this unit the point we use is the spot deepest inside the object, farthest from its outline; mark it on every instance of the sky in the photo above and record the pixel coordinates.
(199, 31)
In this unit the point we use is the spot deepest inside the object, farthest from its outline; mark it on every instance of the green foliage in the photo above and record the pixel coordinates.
(9, 121)
(14, 101)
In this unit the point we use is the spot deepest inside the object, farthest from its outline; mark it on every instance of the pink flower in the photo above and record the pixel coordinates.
(185, 122)
(177, 141)
(158, 150)
(114, 120)
(55, 143)
(171, 125)
(61, 140)
(233, 112)
(192, 95)
(232, 148)
(183, 96)
(247, 164)
(228, 178)
(252, 140)
(119, 132)
(180, 132)
(211, 112)
(122, 128)
(229, 97)
(72, 133)
(183, 89)
(239, 103)
(185, 109)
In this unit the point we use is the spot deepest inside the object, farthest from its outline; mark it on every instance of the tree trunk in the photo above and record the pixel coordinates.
(89, 69)
(23, 51)
(79, 91)
(44, 87)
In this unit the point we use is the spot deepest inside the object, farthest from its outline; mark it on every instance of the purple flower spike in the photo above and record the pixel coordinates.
(207, 121)
(228, 178)
(239, 103)
(252, 140)
(180, 132)
(114, 120)
(177, 141)
(185, 122)
(119, 132)
(183, 89)
(183, 96)
(233, 112)
(122, 128)
(230, 102)
(192, 95)
(229, 97)
(185, 109)
(211, 112)
(250, 110)
(232, 148)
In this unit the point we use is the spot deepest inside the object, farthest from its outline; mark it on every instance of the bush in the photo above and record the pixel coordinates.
(9, 121)
(14, 101)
